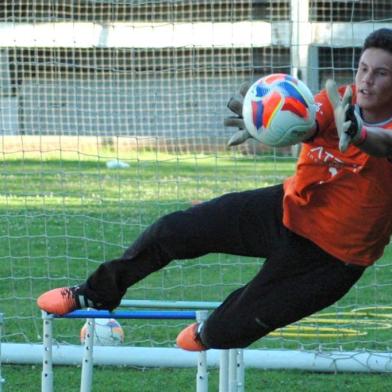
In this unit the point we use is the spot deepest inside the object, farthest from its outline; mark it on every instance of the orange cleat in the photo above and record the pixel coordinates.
(188, 339)
(59, 301)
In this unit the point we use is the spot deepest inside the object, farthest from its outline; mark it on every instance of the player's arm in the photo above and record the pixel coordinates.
(375, 141)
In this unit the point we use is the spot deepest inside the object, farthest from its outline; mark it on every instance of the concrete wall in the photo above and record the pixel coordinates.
(169, 107)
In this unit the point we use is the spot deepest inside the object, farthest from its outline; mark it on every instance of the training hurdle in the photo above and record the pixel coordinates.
(231, 366)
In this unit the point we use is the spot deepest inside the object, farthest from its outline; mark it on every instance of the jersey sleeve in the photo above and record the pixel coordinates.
(324, 116)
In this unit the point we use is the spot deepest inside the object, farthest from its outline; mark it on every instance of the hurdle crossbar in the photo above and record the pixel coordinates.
(132, 314)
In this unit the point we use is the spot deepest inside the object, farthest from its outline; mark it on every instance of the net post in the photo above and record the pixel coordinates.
(1, 338)
(224, 371)
(232, 370)
(236, 375)
(202, 372)
(47, 359)
(87, 360)
(240, 371)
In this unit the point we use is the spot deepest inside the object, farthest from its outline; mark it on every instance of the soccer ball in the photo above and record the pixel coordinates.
(107, 332)
(279, 110)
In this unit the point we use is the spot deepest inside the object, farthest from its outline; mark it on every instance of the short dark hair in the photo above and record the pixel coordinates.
(381, 38)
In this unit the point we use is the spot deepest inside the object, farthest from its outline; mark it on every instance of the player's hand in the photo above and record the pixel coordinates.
(348, 122)
(237, 121)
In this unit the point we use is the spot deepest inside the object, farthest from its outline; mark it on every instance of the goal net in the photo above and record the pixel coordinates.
(112, 115)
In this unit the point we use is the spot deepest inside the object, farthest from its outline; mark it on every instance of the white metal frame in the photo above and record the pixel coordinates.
(231, 372)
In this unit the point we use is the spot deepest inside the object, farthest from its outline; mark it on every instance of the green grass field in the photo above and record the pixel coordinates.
(61, 214)
(183, 380)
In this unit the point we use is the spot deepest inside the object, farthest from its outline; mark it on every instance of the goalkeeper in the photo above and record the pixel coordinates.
(318, 231)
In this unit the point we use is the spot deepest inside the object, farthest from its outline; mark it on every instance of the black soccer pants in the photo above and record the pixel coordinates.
(296, 280)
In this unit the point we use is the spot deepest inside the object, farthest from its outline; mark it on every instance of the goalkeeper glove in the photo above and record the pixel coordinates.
(235, 105)
(348, 122)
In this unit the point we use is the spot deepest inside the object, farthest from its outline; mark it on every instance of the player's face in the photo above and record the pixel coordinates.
(374, 84)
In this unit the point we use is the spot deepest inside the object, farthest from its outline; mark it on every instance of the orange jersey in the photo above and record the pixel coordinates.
(340, 201)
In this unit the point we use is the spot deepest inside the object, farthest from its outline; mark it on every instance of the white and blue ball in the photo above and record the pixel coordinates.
(279, 110)
(107, 332)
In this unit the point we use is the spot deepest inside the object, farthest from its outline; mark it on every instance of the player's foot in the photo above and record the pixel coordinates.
(189, 338)
(63, 300)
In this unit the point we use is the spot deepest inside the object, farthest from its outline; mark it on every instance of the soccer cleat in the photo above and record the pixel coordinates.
(63, 300)
(189, 338)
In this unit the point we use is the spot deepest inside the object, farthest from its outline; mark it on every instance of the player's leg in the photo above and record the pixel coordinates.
(243, 223)
(297, 280)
